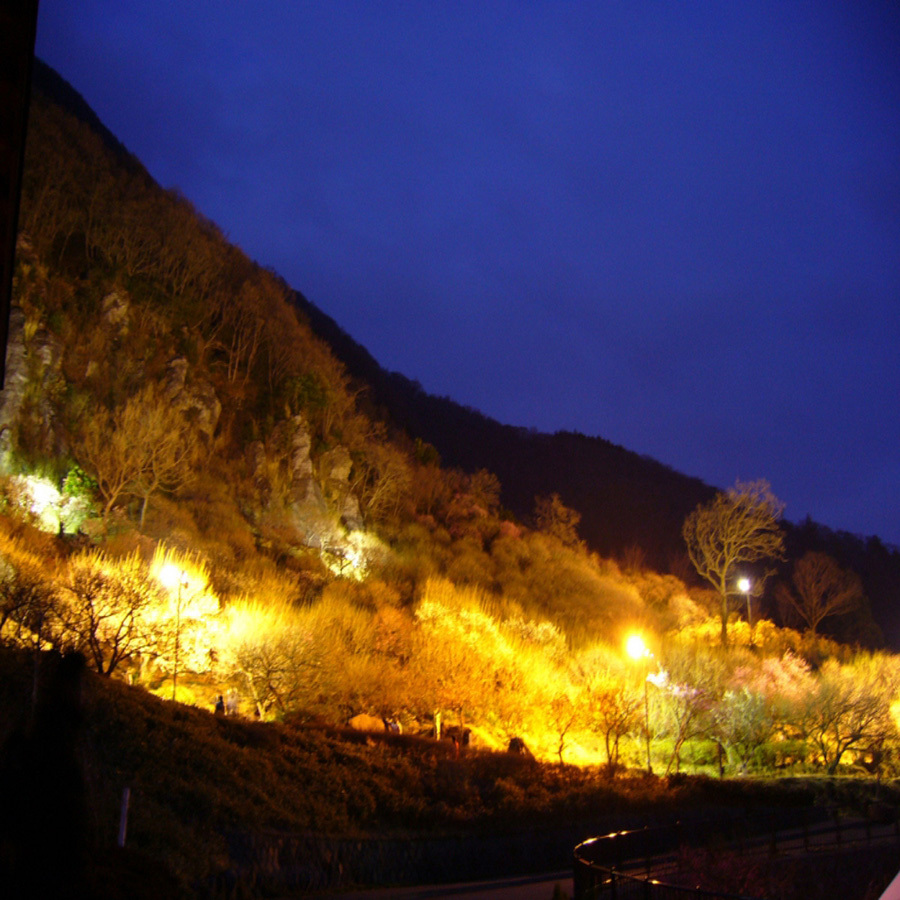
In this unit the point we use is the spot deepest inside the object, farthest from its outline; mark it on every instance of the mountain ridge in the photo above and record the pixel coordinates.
(631, 507)
(521, 457)
(636, 517)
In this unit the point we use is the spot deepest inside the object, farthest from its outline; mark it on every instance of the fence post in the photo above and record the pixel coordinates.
(123, 815)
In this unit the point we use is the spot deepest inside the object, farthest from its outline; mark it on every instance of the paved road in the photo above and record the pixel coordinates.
(535, 887)
(541, 887)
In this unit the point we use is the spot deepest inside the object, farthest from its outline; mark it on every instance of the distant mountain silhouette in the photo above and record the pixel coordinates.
(632, 507)
(626, 500)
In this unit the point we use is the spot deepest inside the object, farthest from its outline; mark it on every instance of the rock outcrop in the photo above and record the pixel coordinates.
(33, 378)
(117, 312)
(287, 488)
(195, 400)
(336, 466)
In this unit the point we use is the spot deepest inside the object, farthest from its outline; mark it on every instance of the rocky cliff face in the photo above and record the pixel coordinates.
(287, 489)
(196, 400)
(14, 385)
(33, 379)
(336, 467)
(314, 501)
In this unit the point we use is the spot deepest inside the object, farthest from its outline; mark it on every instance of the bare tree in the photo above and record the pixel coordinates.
(565, 710)
(743, 721)
(457, 654)
(736, 527)
(137, 450)
(614, 709)
(821, 588)
(382, 479)
(246, 319)
(687, 686)
(105, 609)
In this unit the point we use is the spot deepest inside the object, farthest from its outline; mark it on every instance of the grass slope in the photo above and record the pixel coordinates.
(220, 804)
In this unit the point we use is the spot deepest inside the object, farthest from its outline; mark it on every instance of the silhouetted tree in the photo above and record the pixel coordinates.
(738, 526)
(821, 588)
(105, 609)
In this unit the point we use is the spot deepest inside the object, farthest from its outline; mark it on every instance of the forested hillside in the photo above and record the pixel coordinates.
(203, 498)
(631, 507)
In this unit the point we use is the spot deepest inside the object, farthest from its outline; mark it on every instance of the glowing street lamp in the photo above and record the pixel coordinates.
(744, 585)
(173, 577)
(637, 650)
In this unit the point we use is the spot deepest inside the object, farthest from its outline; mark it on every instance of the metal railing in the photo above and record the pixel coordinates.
(638, 863)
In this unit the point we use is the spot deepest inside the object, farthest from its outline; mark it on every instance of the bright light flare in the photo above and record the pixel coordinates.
(351, 556)
(744, 585)
(43, 494)
(171, 576)
(180, 573)
(41, 498)
(636, 648)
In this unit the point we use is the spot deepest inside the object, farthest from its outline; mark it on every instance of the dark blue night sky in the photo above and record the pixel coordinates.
(672, 225)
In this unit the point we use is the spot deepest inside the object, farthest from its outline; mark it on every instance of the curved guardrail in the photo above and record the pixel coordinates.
(634, 863)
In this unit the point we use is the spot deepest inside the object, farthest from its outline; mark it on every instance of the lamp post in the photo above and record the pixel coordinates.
(744, 586)
(177, 634)
(637, 649)
(171, 576)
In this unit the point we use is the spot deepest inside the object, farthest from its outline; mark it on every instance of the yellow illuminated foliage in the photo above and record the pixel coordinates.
(849, 707)
(612, 693)
(137, 449)
(265, 648)
(107, 609)
(188, 609)
(472, 663)
(119, 612)
(28, 601)
(286, 657)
